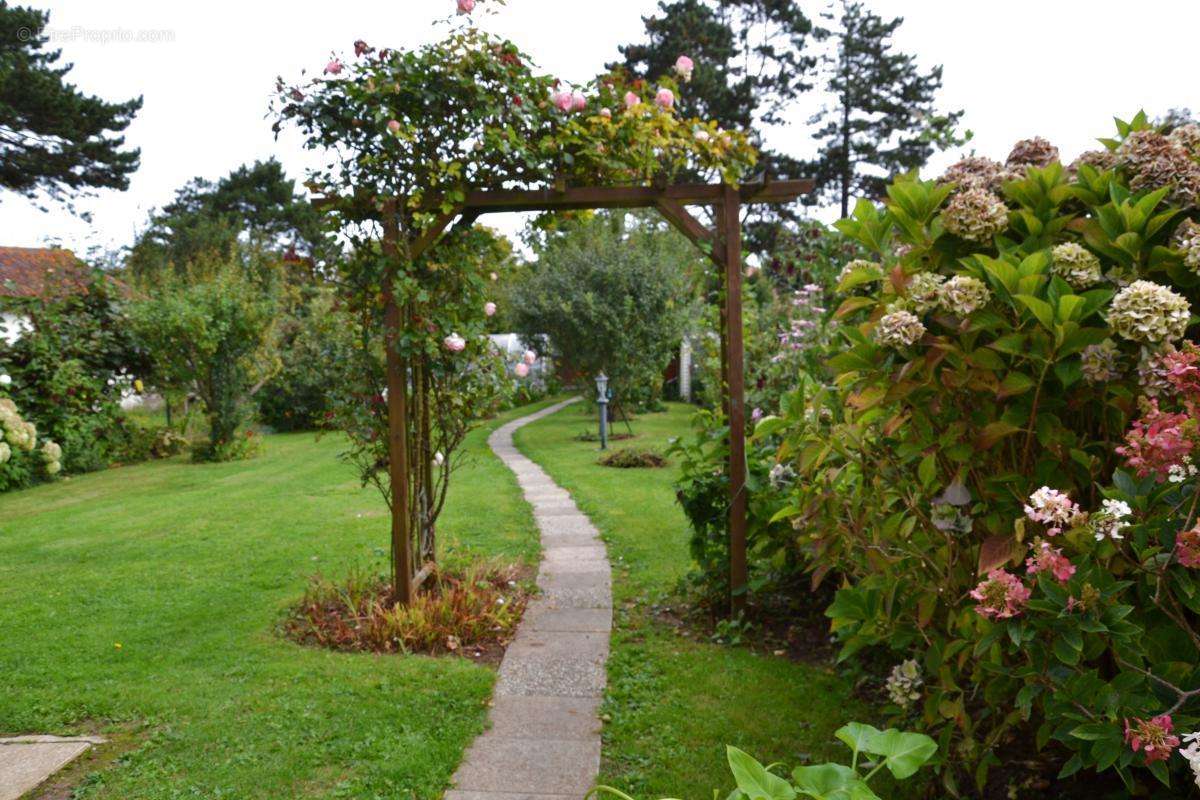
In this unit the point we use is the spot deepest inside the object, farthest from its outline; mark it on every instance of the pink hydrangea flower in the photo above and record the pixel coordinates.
(1153, 736)
(1187, 548)
(684, 67)
(1053, 509)
(489, 309)
(1156, 442)
(455, 343)
(393, 126)
(631, 99)
(521, 369)
(1049, 559)
(465, 7)
(1182, 370)
(578, 101)
(529, 357)
(334, 67)
(665, 98)
(1001, 596)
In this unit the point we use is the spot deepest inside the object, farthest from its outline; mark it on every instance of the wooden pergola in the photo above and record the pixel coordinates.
(722, 243)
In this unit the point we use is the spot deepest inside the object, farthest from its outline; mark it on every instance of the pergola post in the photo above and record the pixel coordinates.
(730, 223)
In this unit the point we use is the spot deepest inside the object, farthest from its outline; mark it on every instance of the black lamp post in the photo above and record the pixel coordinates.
(602, 401)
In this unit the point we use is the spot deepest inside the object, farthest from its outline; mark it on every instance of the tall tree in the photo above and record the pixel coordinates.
(751, 61)
(256, 204)
(882, 120)
(54, 138)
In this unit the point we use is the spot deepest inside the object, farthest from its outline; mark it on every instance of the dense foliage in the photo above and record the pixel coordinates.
(1000, 472)
(609, 294)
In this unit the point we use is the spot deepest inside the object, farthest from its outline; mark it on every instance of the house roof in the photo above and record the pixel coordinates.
(41, 272)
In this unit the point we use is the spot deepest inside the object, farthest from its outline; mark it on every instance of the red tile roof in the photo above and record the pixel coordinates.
(41, 272)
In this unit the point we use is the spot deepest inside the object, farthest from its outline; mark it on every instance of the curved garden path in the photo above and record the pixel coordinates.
(544, 742)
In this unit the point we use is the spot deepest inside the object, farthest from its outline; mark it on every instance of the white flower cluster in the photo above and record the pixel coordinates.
(963, 295)
(904, 684)
(1110, 520)
(1183, 471)
(975, 214)
(1187, 241)
(1076, 265)
(899, 329)
(17, 432)
(52, 457)
(1145, 311)
(924, 291)
(1101, 362)
(1191, 753)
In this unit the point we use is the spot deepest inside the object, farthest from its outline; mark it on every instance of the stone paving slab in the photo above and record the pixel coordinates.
(27, 761)
(544, 743)
(545, 717)
(500, 764)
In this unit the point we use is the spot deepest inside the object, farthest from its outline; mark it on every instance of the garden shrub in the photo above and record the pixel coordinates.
(632, 458)
(1001, 472)
(22, 461)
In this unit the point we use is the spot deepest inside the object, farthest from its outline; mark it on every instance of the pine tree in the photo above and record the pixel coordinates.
(882, 121)
(53, 138)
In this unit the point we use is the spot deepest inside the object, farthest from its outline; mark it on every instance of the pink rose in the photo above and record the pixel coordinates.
(333, 67)
(522, 370)
(578, 101)
(489, 309)
(684, 67)
(631, 99)
(455, 343)
(393, 126)
(562, 101)
(665, 98)
(465, 7)
(529, 357)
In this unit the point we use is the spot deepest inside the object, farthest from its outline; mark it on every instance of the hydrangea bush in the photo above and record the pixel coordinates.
(1001, 471)
(22, 460)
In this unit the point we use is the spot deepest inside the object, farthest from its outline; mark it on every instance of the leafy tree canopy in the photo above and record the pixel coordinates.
(54, 139)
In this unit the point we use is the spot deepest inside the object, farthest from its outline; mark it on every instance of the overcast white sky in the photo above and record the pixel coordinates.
(1058, 68)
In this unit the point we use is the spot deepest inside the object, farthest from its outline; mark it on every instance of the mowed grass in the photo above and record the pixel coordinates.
(145, 601)
(674, 703)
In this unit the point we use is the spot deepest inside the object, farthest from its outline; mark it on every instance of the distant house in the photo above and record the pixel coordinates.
(36, 272)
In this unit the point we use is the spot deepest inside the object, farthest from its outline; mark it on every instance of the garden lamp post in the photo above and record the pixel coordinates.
(602, 401)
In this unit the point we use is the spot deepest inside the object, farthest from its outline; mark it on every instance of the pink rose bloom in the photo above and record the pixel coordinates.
(562, 101)
(393, 126)
(665, 98)
(455, 343)
(1048, 559)
(522, 369)
(578, 101)
(529, 357)
(465, 7)
(333, 67)
(1001, 596)
(684, 67)
(604, 112)
(489, 309)
(1187, 548)
(1152, 736)
(631, 100)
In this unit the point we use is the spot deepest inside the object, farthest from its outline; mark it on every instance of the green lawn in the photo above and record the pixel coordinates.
(674, 703)
(144, 600)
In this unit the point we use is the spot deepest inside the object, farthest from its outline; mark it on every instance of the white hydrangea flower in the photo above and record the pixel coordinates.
(904, 683)
(1145, 311)
(975, 214)
(963, 295)
(899, 329)
(1191, 753)
(1101, 362)
(1183, 471)
(1187, 241)
(924, 290)
(1110, 520)
(5, 452)
(1076, 265)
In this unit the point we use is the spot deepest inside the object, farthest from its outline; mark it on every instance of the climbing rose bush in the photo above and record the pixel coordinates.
(1000, 471)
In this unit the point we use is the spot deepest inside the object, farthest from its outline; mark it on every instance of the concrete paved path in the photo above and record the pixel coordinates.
(544, 743)
(27, 761)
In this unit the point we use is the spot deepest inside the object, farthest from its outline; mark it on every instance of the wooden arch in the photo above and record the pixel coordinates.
(722, 243)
